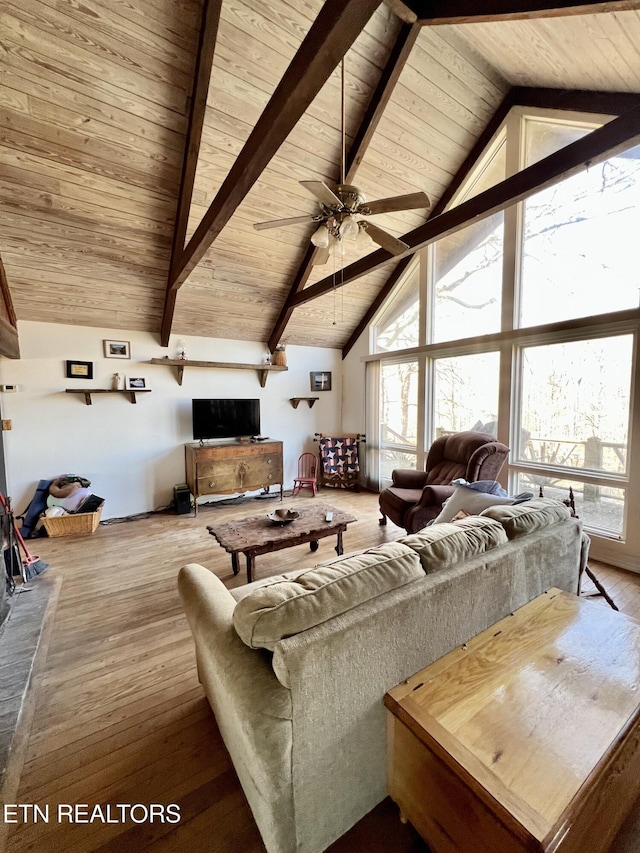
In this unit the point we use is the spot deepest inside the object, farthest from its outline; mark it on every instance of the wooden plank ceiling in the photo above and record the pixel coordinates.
(95, 104)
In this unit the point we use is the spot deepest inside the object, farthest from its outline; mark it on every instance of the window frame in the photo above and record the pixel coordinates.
(511, 339)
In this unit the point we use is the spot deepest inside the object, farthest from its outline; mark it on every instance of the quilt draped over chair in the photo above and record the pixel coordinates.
(339, 460)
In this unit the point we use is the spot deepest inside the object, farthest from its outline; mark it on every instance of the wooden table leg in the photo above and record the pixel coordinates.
(339, 548)
(234, 563)
(251, 561)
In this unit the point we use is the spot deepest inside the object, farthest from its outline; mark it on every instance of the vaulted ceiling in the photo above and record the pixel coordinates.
(140, 142)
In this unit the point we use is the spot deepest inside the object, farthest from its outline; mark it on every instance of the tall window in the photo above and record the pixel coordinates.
(467, 280)
(574, 418)
(398, 325)
(580, 253)
(467, 266)
(466, 393)
(399, 396)
(519, 337)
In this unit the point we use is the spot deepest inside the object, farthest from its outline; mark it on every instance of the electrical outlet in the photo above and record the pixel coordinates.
(6, 425)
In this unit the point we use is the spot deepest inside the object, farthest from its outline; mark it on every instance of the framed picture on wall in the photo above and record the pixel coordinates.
(320, 380)
(79, 369)
(117, 349)
(135, 383)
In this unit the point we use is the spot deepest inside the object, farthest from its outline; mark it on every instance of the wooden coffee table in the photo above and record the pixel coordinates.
(259, 535)
(525, 739)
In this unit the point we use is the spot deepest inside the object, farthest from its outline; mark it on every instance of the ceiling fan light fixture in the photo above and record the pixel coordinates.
(321, 237)
(349, 228)
(363, 241)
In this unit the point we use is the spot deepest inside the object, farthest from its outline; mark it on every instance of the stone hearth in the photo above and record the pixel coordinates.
(21, 636)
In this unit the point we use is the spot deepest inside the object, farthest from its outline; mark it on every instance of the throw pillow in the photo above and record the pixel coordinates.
(470, 500)
(270, 613)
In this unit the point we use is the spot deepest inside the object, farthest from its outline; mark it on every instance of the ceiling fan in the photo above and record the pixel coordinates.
(339, 218)
(342, 209)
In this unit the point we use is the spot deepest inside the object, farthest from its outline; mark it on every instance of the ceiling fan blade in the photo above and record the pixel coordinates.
(384, 239)
(321, 256)
(411, 201)
(322, 192)
(276, 223)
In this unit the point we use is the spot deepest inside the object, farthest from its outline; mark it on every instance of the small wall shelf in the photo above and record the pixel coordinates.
(89, 391)
(295, 401)
(263, 370)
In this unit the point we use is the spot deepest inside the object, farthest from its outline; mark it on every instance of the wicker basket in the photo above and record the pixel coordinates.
(73, 525)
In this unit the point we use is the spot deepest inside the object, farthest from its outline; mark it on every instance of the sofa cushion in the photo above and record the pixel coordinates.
(470, 500)
(442, 545)
(524, 518)
(270, 613)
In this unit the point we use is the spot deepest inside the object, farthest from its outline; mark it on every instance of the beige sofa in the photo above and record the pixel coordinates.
(296, 667)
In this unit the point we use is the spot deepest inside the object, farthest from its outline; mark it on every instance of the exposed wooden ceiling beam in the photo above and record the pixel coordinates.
(337, 26)
(398, 57)
(9, 344)
(380, 98)
(437, 12)
(402, 10)
(606, 141)
(202, 77)
(603, 103)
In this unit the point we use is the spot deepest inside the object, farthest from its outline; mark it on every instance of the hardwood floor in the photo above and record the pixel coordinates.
(116, 714)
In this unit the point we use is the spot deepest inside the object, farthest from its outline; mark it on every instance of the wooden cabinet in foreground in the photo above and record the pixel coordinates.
(525, 739)
(233, 467)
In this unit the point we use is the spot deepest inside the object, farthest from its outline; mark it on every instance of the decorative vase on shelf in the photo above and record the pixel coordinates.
(280, 356)
(115, 382)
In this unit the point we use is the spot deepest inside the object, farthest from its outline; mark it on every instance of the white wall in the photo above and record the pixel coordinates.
(353, 377)
(134, 454)
(354, 410)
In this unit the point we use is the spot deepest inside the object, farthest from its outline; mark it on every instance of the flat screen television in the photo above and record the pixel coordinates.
(225, 418)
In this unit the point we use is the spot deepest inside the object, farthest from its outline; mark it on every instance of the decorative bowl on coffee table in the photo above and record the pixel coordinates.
(283, 516)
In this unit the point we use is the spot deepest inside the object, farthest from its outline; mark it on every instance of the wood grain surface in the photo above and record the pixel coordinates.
(535, 725)
(94, 110)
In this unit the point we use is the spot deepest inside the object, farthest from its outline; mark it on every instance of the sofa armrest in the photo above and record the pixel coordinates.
(407, 478)
(253, 710)
(223, 659)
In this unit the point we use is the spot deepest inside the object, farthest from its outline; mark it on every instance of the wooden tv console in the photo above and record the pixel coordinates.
(233, 467)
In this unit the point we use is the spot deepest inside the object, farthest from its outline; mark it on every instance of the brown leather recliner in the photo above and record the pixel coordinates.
(416, 497)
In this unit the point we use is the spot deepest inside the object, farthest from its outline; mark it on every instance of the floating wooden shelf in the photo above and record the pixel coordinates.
(263, 370)
(89, 391)
(295, 401)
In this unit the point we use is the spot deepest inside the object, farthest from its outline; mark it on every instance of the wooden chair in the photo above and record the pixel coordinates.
(307, 473)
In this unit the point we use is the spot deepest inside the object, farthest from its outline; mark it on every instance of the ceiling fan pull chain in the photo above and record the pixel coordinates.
(342, 209)
(343, 158)
(334, 287)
